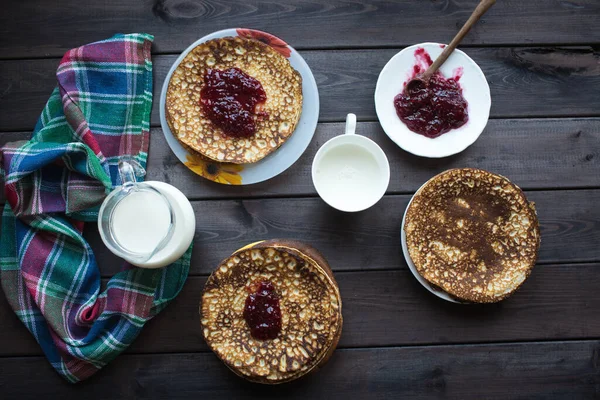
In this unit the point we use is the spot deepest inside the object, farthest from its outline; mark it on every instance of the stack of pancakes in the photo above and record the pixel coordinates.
(473, 234)
(282, 84)
(311, 310)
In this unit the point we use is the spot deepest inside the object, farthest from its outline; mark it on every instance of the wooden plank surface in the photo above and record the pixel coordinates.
(535, 154)
(563, 370)
(542, 63)
(370, 240)
(569, 220)
(524, 82)
(41, 25)
(390, 308)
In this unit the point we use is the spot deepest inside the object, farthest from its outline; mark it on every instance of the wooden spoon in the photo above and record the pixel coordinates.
(423, 79)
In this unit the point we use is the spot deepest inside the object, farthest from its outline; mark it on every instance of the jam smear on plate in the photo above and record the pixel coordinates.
(434, 109)
(262, 312)
(229, 98)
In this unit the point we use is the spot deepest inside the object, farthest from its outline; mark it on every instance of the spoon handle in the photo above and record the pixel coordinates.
(483, 6)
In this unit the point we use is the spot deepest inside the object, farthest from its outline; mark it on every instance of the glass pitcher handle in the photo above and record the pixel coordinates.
(129, 170)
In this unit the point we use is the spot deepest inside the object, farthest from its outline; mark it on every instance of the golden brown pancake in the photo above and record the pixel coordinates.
(473, 234)
(311, 311)
(282, 84)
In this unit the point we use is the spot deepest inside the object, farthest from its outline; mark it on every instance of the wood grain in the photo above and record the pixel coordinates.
(524, 82)
(303, 24)
(541, 60)
(569, 220)
(535, 154)
(555, 370)
(390, 308)
(370, 240)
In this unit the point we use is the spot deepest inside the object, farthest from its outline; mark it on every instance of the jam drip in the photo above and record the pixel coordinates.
(434, 109)
(229, 98)
(262, 312)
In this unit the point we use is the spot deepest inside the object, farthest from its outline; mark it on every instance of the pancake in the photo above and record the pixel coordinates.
(473, 234)
(310, 303)
(280, 112)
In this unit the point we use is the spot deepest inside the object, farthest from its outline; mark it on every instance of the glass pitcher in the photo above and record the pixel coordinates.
(136, 220)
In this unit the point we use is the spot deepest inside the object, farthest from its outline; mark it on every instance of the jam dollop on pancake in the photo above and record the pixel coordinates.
(473, 234)
(209, 131)
(229, 99)
(272, 311)
(262, 312)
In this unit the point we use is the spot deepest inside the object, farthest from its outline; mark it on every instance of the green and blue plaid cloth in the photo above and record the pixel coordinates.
(99, 112)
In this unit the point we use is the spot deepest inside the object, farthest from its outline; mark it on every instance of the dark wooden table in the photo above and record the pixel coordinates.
(542, 61)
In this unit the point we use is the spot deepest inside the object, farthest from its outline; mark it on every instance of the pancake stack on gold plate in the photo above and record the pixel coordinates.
(282, 108)
(473, 234)
(310, 303)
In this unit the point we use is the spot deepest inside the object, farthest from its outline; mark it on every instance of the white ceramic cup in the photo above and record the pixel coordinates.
(350, 172)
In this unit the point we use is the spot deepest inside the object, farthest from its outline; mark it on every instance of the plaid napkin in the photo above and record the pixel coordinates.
(99, 112)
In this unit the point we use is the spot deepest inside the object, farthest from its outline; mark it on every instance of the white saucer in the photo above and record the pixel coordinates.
(475, 90)
(438, 292)
(281, 159)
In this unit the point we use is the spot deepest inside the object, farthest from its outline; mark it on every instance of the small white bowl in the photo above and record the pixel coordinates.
(475, 90)
(350, 172)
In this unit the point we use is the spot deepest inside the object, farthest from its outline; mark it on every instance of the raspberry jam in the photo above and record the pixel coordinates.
(434, 109)
(262, 312)
(228, 99)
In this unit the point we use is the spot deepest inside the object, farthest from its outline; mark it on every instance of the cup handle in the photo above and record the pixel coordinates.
(350, 124)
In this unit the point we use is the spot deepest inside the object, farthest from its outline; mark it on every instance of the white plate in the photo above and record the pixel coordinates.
(276, 162)
(438, 292)
(475, 90)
